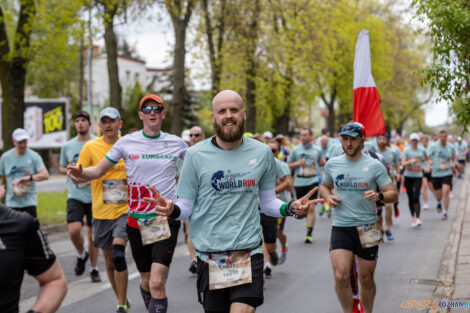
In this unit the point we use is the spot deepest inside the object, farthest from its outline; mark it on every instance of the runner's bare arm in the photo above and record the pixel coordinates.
(53, 288)
(285, 184)
(326, 192)
(79, 174)
(180, 210)
(302, 205)
(389, 192)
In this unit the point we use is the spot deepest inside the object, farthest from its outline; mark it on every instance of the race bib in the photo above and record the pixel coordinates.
(309, 169)
(229, 270)
(416, 165)
(114, 191)
(154, 229)
(83, 185)
(21, 189)
(370, 235)
(444, 165)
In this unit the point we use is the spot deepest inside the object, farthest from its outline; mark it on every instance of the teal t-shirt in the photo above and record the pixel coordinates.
(14, 167)
(414, 170)
(282, 170)
(307, 174)
(441, 159)
(371, 145)
(462, 147)
(225, 185)
(335, 150)
(392, 157)
(350, 180)
(70, 152)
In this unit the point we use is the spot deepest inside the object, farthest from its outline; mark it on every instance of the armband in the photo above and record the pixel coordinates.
(176, 212)
(290, 211)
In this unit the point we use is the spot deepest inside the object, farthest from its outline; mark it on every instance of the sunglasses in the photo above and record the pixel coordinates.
(194, 135)
(274, 150)
(157, 109)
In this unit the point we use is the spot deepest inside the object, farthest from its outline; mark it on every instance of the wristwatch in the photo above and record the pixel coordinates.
(381, 196)
(31, 177)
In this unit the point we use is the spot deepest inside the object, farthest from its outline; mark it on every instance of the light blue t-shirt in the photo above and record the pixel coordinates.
(14, 167)
(350, 180)
(462, 147)
(307, 174)
(225, 185)
(70, 152)
(414, 170)
(371, 145)
(392, 157)
(282, 170)
(335, 150)
(441, 159)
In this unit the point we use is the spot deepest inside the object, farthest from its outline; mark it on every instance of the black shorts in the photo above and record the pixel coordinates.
(347, 238)
(31, 210)
(269, 225)
(76, 210)
(221, 299)
(158, 252)
(427, 176)
(303, 190)
(437, 182)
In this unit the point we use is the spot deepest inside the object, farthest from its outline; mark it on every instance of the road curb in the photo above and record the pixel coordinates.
(58, 228)
(448, 266)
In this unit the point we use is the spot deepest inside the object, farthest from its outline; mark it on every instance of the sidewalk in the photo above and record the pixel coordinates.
(56, 182)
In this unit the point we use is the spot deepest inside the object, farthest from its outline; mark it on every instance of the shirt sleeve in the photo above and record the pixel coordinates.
(85, 156)
(381, 176)
(63, 156)
(268, 180)
(292, 156)
(188, 186)
(38, 255)
(284, 169)
(326, 174)
(184, 148)
(116, 152)
(38, 163)
(2, 165)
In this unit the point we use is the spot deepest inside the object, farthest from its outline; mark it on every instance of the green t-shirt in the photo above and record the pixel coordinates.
(307, 174)
(350, 180)
(70, 152)
(441, 159)
(282, 170)
(224, 185)
(414, 170)
(14, 167)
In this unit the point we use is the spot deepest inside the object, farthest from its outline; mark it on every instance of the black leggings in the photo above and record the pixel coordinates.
(413, 189)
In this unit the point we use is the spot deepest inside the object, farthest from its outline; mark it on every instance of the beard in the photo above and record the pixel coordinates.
(229, 136)
(355, 151)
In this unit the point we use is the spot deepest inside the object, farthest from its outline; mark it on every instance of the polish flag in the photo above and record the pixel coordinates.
(366, 99)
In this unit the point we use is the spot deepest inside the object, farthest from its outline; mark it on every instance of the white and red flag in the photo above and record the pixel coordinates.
(366, 99)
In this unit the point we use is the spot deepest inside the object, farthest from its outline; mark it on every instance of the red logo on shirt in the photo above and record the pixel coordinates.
(134, 156)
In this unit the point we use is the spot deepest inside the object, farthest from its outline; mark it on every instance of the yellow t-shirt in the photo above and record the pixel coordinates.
(109, 193)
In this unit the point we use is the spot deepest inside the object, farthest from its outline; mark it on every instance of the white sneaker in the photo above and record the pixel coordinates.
(426, 206)
(413, 222)
(418, 222)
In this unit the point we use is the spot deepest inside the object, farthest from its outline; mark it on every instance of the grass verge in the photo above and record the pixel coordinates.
(52, 207)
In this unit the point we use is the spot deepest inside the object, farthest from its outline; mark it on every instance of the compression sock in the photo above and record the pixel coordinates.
(309, 231)
(146, 296)
(158, 305)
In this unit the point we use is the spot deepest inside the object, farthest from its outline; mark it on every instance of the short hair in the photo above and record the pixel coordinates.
(310, 131)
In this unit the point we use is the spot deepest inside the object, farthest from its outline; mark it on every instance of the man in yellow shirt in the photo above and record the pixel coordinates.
(109, 204)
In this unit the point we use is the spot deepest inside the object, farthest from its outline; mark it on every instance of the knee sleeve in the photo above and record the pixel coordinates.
(119, 258)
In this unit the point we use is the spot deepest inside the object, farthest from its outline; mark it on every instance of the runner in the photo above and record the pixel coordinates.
(325, 145)
(220, 184)
(150, 156)
(22, 167)
(306, 159)
(355, 220)
(109, 203)
(196, 135)
(79, 199)
(24, 248)
(462, 150)
(427, 184)
(392, 157)
(443, 159)
(412, 160)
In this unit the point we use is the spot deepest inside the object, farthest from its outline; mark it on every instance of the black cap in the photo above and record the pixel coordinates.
(83, 114)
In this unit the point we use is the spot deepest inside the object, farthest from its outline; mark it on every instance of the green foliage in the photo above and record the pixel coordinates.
(130, 116)
(52, 208)
(449, 72)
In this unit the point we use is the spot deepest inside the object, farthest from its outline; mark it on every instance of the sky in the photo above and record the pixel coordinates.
(152, 36)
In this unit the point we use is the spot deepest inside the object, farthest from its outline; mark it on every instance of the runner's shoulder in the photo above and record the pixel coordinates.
(15, 221)
(8, 153)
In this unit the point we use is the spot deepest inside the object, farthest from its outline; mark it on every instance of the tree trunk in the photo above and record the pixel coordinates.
(115, 89)
(178, 78)
(81, 81)
(282, 122)
(330, 105)
(13, 70)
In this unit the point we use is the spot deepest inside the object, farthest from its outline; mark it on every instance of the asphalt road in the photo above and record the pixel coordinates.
(303, 284)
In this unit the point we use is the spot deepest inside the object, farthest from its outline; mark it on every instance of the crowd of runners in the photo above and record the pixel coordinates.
(233, 192)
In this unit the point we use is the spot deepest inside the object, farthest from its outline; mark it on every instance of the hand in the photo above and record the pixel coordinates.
(2, 191)
(163, 206)
(74, 172)
(413, 161)
(301, 162)
(371, 195)
(302, 205)
(397, 177)
(334, 201)
(23, 180)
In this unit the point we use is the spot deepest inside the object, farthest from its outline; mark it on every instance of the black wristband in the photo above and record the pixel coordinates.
(176, 212)
(31, 177)
(381, 196)
(291, 212)
(32, 311)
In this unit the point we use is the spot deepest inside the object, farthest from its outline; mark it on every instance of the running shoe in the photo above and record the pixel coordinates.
(95, 276)
(439, 207)
(357, 306)
(308, 239)
(283, 257)
(425, 206)
(459, 176)
(418, 222)
(80, 265)
(193, 267)
(124, 308)
(267, 269)
(396, 211)
(274, 258)
(444, 215)
(413, 222)
(389, 235)
(328, 212)
(322, 210)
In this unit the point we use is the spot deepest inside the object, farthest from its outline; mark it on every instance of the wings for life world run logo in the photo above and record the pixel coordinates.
(349, 183)
(229, 182)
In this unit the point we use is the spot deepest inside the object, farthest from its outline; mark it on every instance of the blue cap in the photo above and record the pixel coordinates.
(352, 129)
(112, 113)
